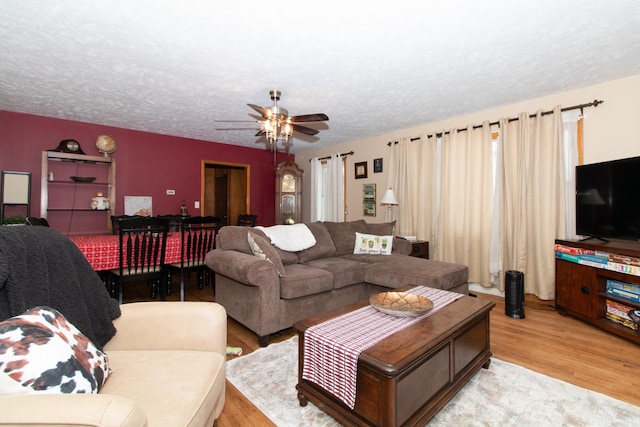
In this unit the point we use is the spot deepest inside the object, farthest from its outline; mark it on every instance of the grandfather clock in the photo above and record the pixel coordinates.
(288, 193)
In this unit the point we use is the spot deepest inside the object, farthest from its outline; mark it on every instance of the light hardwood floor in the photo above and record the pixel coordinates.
(545, 341)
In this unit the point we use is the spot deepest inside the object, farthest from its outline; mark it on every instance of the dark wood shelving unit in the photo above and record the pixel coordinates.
(581, 289)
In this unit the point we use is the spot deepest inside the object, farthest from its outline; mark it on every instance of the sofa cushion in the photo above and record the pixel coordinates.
(399, 270)
(373, 244)
(234, 237)
(303, 280)
(345, 272)
(42, 351)
(324, 246)
(263, 249)
(380, 229)
(163, 383)
(287, 257)
(343, 234)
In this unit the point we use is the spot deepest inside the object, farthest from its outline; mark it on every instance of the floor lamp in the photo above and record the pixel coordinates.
(389, 200)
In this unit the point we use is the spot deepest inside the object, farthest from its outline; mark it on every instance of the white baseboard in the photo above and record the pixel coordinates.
(477, 288)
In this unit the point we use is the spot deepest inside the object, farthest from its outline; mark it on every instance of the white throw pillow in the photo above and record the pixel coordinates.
(373, 244)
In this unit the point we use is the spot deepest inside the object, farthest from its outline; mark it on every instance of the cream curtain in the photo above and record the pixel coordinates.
(327, 189)
(315, 196)
(570, 121)
(466, 201)
(411, 177)
(335, 189)
(492, 205)
(533, 192)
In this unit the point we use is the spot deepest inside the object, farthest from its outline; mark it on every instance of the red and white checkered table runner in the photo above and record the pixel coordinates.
(332, 348)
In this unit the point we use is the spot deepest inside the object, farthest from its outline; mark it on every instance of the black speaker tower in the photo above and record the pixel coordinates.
(514, 294)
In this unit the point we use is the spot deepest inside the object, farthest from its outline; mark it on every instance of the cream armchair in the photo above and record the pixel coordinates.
(168, 362)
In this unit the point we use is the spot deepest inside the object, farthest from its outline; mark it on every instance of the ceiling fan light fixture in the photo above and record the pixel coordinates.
(277, 126)
(287, 130)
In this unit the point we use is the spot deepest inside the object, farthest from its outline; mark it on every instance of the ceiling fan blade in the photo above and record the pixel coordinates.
(235, 128)
(235, 121)
(319, 117)
(263, 111)
(305, 130)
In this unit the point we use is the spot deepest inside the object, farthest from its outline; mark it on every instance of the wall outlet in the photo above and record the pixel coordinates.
(171, 192)
(196, 204)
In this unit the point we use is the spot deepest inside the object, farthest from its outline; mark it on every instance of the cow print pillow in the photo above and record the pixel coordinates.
(41, 351)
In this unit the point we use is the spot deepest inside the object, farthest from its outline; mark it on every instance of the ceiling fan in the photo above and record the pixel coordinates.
(277, 126)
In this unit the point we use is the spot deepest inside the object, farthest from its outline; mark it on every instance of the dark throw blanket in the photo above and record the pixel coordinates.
(40, 266)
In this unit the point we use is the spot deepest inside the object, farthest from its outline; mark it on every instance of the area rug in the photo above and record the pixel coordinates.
(503, 395)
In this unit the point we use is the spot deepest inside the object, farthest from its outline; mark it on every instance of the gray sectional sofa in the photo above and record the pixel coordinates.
(268, 296)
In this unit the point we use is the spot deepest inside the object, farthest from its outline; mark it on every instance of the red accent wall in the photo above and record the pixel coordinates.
(147, 164)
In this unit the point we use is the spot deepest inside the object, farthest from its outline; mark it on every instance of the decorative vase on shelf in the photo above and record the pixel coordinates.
(99, 203)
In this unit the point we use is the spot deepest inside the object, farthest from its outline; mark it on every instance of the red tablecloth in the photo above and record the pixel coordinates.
(102, 251)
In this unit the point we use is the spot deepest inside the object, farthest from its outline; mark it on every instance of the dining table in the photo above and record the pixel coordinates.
(103, 250)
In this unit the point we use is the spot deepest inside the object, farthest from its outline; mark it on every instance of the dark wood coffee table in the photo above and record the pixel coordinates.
(408, 377)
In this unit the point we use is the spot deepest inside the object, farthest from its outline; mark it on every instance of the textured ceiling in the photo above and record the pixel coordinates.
(175, 67)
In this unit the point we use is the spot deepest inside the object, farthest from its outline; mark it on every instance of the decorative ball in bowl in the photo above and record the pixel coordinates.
(401, 304)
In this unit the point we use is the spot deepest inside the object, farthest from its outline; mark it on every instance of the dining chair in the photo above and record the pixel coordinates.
(174, 221)
(142, 245)
(198, 237)
(247, 220)
(31, 220)
(115, 221)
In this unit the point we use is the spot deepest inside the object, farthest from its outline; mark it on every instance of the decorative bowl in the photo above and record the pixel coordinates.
(83, 178)
(401, 304)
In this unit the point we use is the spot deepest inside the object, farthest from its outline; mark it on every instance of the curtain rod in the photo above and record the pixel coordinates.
(593, 103)
(350, 153)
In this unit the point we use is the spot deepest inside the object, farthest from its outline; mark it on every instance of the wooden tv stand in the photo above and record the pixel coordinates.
(581, 289)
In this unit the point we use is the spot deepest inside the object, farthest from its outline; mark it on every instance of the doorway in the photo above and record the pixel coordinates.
(225, 190)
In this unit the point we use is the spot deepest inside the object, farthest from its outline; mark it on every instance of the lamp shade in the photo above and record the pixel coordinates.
(389, 198)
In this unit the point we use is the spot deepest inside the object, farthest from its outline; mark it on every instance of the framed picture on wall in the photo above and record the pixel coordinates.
(369, 209)
(369, 199)
(377, 165)
(138, 205)
(361, 170)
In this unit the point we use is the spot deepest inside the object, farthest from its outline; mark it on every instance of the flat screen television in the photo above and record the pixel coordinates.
(608, 199)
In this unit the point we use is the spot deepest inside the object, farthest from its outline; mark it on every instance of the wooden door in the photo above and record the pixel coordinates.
(225, 190)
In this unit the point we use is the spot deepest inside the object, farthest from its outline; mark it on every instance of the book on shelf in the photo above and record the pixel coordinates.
(619, 313)
(604, 260)
(618, 308)
(624, 268)
(573, 251)
(625, 260)
(599, 259)
(622, 321)
(567, 257)
(590, 263)
(622, 290)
